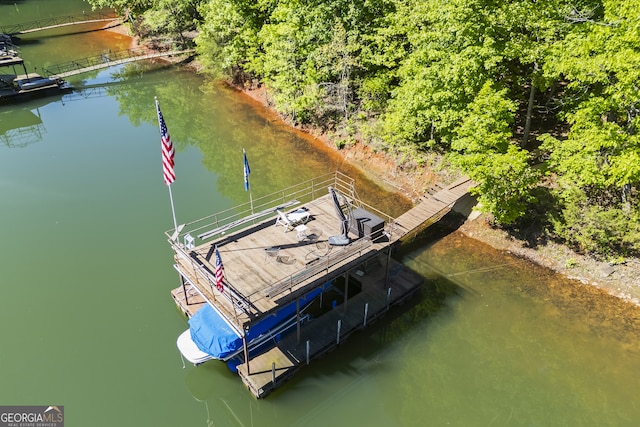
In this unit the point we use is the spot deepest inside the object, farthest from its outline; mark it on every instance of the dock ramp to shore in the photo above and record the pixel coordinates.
(109, 59)
(58, 22)
(431, 208)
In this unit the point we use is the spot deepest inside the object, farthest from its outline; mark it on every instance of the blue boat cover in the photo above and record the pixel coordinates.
(213, 335)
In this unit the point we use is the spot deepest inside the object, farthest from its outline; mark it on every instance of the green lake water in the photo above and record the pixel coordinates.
(87, 321)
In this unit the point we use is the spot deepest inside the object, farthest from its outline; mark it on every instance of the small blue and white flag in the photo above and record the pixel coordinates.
(247, 171)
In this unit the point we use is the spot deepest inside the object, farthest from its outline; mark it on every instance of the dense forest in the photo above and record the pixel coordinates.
(535, 100)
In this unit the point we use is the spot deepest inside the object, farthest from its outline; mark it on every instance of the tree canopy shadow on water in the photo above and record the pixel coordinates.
(362, 350)
(443, 227)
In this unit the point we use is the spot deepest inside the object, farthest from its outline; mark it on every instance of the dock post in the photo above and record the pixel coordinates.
(184, 289)
(388, 297)
(366, 310)
(386, 272)
(308, 347)
(273, 372)
(346, 290)
(298, 319)
(246, 352)
(338, 337)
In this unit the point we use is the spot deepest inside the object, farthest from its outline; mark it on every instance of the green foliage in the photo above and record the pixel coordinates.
(453, 53)
(602, 227)
(481, 148)
(157, 17)
(602, 63)
(134, 7)
(374, 92)
(229, 34)
(465, 78)
(600, 157)
(486, 124)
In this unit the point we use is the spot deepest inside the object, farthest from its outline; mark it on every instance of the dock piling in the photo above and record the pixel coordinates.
(338, 337)
(273, 372)
(298, 318)
(346, 291)
(366, 310)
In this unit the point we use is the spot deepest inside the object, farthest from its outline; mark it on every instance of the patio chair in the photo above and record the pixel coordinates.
(292, 219)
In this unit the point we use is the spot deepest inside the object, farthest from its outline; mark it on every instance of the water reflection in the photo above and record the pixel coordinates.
(21, 122)
(24, 127)
(21, 125)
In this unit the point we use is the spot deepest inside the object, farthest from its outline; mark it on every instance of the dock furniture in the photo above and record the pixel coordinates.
(290, 220)
(367, 224)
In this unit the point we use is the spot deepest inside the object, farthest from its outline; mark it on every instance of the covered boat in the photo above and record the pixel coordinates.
(210, 336)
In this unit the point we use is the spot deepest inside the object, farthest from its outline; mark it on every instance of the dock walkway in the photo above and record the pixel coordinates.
(106, 60)
(430, 209)
(57, 22)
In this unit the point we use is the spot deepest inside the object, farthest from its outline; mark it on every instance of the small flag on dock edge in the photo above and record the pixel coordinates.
(219, 272)
(167, 149)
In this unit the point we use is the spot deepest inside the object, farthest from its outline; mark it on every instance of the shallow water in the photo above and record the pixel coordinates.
(86, 319)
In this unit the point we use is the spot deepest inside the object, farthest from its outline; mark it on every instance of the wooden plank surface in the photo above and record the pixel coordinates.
(265, 263)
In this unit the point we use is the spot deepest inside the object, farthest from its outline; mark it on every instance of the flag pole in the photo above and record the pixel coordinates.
(167, 160)
(173, 209)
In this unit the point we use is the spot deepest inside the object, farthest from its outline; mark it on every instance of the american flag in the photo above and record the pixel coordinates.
(167, 149)
(219, 272)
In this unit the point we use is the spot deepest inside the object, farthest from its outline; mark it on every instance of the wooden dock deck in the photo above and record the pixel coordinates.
(268, 266)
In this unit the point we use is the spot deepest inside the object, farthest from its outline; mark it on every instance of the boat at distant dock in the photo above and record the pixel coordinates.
(19, 87)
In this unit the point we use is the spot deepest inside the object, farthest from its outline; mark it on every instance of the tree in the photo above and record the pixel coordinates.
(601, 62)
(600, 157)
(228, 39)
(133, 7)
(453, 52)
(483, 150)
(466, 79)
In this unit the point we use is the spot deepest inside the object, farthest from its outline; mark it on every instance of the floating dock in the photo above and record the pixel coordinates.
(269, 265)
(22, 86)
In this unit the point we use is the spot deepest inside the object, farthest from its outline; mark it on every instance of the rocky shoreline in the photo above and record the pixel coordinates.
(620, 280)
